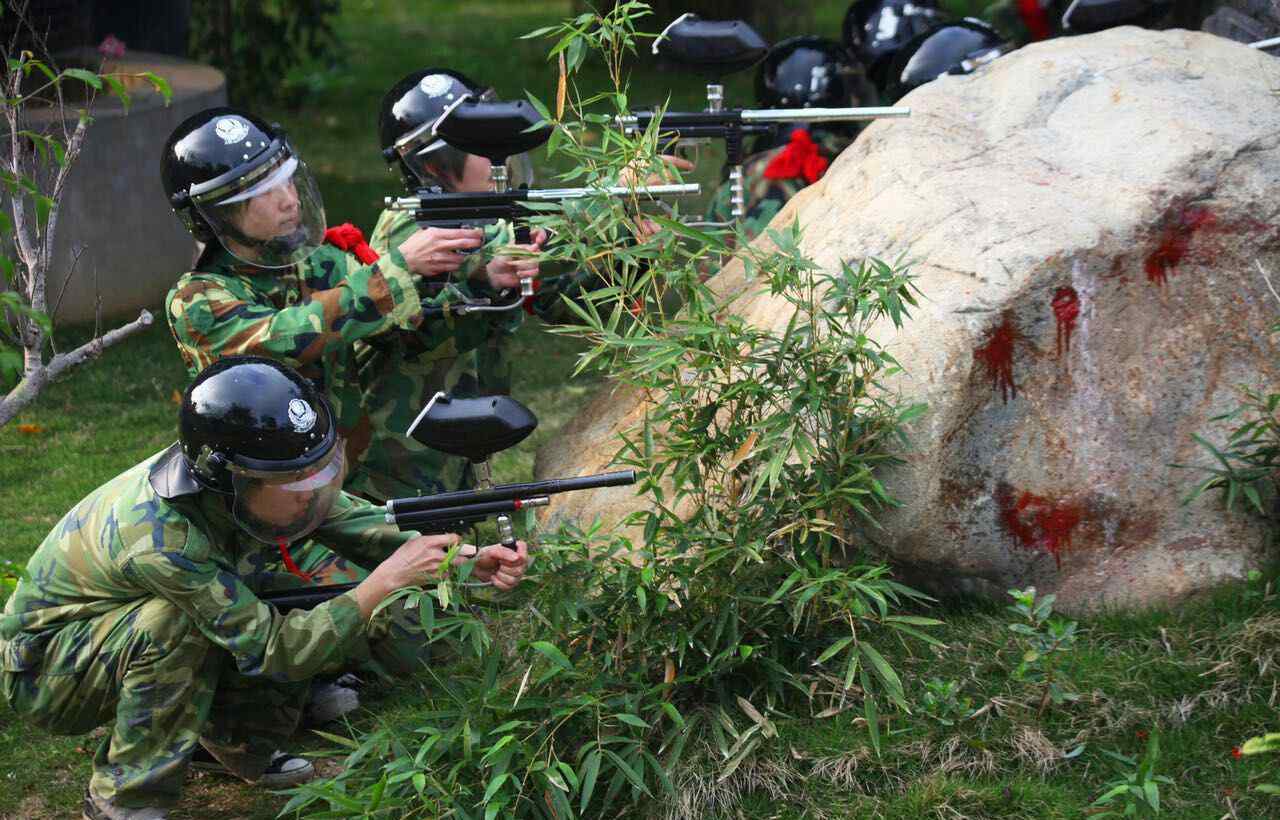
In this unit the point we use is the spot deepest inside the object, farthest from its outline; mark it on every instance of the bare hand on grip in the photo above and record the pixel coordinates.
(434, 251)
(501, 566)
(416, 562)
(507, 271)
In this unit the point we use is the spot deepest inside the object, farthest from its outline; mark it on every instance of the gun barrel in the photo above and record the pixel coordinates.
(508, 492)
(824, 114)
(674, 189)
(464, 512)
(488, 205)
(286, 600)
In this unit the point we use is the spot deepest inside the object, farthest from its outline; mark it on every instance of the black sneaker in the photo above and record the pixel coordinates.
(283, 770)
(330, 701)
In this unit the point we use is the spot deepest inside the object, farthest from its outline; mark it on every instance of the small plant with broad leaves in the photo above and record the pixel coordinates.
(1045, 640)
(743, 590)
(1136, 790)
(943, 703)
(1267, 744)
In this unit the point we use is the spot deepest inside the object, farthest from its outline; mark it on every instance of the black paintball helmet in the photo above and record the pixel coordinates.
(807, 72)
(874, 30)
(215, 162)
(952, 48)
(253, 428)
(1088, 16)
(407, 116)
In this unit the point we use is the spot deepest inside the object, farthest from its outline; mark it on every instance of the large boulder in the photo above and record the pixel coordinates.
(1090, 218)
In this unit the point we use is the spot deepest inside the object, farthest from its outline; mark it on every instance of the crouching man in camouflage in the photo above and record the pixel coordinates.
(140, 609)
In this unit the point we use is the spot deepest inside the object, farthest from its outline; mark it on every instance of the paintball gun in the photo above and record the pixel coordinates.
(498, 131)
(474, 429)
(714, 49)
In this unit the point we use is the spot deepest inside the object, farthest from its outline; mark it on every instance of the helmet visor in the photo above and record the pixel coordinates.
(288, 506)
(520, 171)
(272, 217)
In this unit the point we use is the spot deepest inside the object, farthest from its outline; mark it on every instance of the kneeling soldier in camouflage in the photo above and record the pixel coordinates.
(140, 609)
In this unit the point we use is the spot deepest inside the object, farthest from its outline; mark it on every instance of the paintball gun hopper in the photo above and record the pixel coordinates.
(472, 428)
(494, 130)
(711, 48)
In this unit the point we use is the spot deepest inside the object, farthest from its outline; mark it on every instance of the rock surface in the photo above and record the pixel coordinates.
(1088, 217)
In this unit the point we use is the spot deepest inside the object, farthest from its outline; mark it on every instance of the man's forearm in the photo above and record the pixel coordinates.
(370, 592)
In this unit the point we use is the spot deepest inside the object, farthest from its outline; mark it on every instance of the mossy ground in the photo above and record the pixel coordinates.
(1204, 676)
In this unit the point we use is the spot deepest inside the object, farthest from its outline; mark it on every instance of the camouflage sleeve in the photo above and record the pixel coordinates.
(358, 531)
(290, 647)
(469, 281)
(209, 321)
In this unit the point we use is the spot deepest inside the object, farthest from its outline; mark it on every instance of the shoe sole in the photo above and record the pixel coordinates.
(275, 780)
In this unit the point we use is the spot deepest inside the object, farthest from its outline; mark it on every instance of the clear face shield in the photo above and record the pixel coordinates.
(273, 507)
(272, 216)
(520, 171)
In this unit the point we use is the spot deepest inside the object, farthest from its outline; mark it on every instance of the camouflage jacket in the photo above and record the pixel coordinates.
(466, 356)
(124, 542)
(306, 316)
(400, 371)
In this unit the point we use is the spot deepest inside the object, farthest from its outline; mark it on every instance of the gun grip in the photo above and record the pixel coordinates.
(506, 532)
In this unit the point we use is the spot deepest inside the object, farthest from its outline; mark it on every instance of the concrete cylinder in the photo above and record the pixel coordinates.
(114, 213)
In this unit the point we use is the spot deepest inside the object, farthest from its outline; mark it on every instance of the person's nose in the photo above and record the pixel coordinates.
(287, 199)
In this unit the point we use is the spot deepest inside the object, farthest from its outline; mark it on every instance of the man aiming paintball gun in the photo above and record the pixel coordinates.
(143, 609)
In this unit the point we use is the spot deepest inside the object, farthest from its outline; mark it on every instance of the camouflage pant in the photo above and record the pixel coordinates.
(145, 670)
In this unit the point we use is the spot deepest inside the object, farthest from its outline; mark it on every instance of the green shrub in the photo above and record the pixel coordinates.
(1044, 639)
(749, 590)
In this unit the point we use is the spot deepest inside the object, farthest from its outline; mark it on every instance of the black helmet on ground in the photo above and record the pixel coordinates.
(874, 30)
(951, 48)
(215, 165)
(408, 112)
(806, 72)
(255, 429)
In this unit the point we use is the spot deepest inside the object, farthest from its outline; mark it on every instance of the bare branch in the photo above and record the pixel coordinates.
(1266, 278)
(76, 253)
(33, 382)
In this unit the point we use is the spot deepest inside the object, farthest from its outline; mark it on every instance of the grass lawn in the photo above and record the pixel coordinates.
(1205, 676)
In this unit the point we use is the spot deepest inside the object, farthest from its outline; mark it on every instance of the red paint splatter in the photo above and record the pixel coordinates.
(996, 354)
(1066, 309)
(1175, 241)
(1037, 522)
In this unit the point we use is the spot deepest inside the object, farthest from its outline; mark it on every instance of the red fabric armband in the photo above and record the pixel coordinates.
(1034, 18)
(347, 237)
(800, 159)
(528, 300)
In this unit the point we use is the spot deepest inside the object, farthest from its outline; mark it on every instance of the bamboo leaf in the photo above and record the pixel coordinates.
(552, 653)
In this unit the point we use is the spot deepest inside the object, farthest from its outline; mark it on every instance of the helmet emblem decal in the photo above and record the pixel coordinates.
(301, 416)
(435, 85)
(231, 129)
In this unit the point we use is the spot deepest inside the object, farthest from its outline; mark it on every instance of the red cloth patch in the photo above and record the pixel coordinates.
(800, 159)
(284, 549)
(528, 300)
(347, 237)
(1034, 18)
